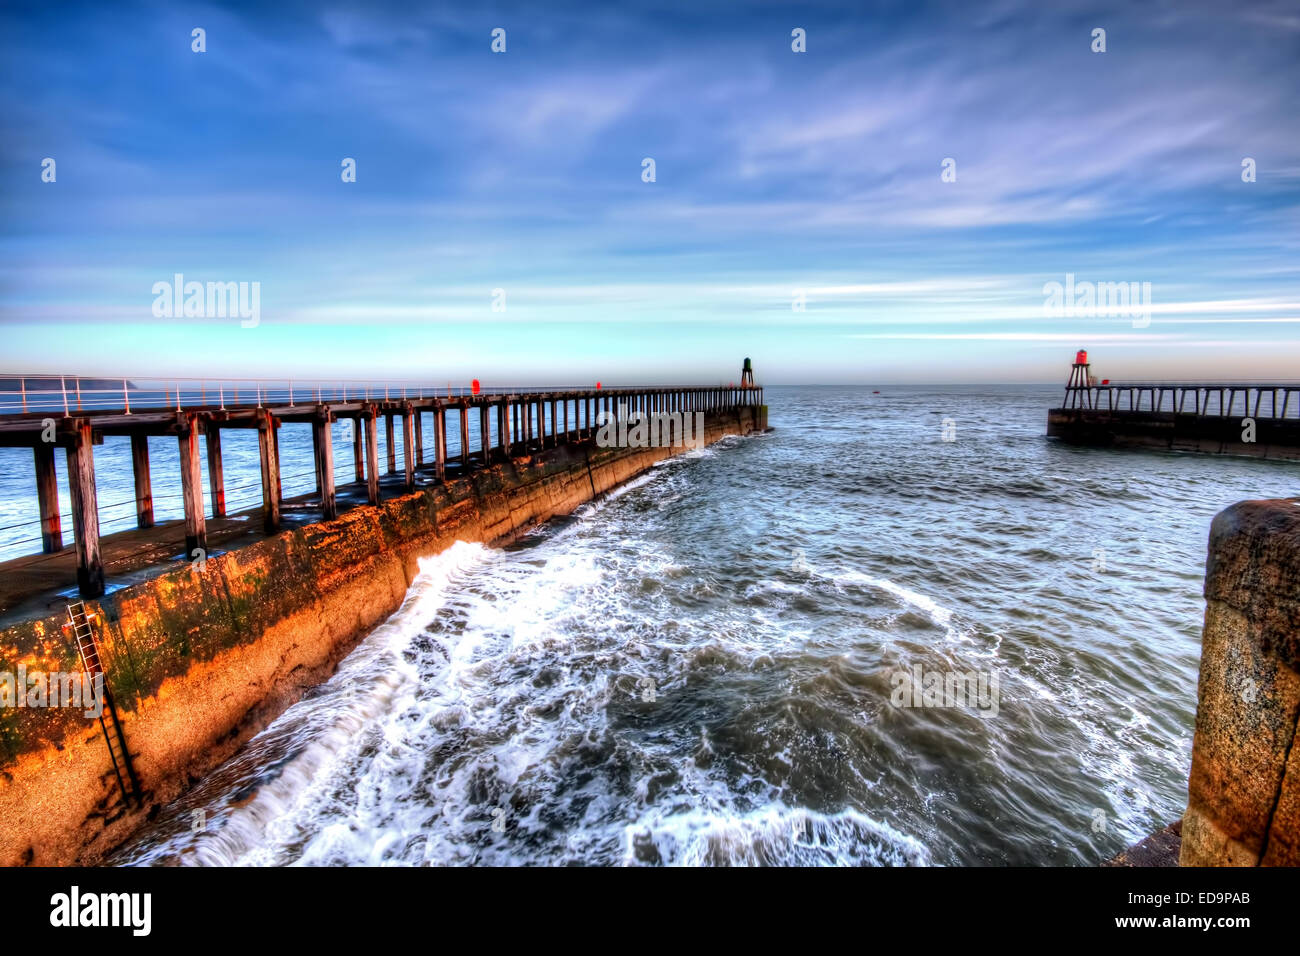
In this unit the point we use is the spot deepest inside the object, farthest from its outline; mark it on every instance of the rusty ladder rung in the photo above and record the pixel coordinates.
(115, 739)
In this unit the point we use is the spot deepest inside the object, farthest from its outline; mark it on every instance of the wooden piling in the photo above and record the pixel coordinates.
(392, 444)
(440, 440)
(325, 464)
(370, 425)
(85, 512)
(315, 457)
(485, 434)
(216, 476)
(47, 498)
(279, 472)
(196, 532)
(143, 481)
(358, 450)
(503, 427)
(464, 436)
(268, 448)
(408, 446)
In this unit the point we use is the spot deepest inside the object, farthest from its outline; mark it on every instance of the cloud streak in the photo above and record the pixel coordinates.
(776, 173)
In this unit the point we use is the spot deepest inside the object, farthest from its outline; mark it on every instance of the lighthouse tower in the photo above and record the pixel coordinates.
(1078, 391)
(747, 375)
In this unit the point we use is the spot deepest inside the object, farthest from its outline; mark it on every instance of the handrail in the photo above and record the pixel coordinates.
(1089, 398)
(1268, 384)
(66, 393)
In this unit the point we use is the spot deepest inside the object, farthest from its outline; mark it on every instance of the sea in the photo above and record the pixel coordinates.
(902, 628)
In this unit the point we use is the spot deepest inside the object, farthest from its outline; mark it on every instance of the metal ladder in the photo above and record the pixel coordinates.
(79, 625)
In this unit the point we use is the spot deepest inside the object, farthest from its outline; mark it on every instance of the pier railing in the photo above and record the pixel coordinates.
(1260, 400)
(68, 394)
(42, 412)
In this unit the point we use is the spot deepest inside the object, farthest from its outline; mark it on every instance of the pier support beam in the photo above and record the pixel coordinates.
(358, 449)
(464, 436)
(325, 465)
(370, 426)
(408, 447)
(315, 457)
(85, 513)
(196, 528)
(485, 434)
(47, 498)
(392, 444)
(268, 449)
(143, 482)
(440, 441)
(216, 477)
(503, 427)
(419, 438)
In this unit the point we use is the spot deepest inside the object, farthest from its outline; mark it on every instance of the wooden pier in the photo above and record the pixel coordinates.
(48, 412)
(1255, 419)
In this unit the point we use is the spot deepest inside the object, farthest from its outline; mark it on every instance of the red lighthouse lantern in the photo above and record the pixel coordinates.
(1081, 357)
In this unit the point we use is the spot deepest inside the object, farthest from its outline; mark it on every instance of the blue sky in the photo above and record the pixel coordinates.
(776, 173)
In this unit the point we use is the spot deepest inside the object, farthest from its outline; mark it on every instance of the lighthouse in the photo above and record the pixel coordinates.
(747, 374)
(1078, 390)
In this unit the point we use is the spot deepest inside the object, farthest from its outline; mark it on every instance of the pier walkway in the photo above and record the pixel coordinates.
(76, 414)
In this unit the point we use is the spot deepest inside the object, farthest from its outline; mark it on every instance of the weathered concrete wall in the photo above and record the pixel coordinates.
(199, 661)
(1244, 788)
(1169, 432)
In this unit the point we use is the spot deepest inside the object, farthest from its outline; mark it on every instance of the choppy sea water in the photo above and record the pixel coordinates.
(698, 668)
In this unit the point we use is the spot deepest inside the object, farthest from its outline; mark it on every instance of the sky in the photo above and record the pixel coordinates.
(501, 225)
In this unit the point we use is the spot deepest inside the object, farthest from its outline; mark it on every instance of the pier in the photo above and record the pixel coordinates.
(468, 429)
(1255, 419)
(199, 652)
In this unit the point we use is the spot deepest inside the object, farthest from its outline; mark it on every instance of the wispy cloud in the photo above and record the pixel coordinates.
(777, 174)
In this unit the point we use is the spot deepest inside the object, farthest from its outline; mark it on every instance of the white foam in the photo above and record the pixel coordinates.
(336, 725)
(774, 836)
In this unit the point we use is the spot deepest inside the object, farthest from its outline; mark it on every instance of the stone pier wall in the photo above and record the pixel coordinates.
(1166, 431)
(1244, 788)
